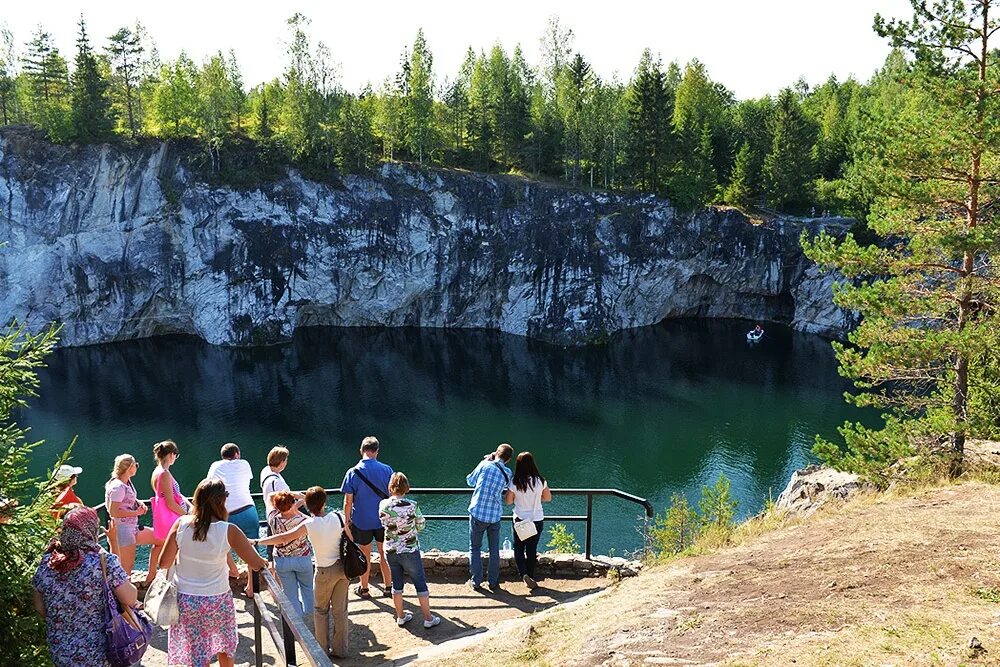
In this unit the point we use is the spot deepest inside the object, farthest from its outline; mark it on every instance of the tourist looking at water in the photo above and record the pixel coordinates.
(65, 479)
(364, 487)
(236, 474)
(69, 592)
(402, 520)
(330, 584)
(271, 480)
(168, 502)
(527, 491)
(199, 545)
(125, 508)
(489, 480)
(292, 560)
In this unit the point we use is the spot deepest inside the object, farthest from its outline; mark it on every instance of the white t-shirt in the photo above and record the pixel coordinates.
(236, 475)
(201, 566)
(271, 482)
(528, 504)
(325, 533)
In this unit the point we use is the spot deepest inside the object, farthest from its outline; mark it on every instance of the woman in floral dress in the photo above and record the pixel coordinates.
(200, 543)
(69, 592)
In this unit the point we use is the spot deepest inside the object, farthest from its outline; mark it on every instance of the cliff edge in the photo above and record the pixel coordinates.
(121, 242)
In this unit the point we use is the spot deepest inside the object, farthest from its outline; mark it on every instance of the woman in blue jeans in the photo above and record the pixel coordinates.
(528, 490)
(402, 521)
(293, 560)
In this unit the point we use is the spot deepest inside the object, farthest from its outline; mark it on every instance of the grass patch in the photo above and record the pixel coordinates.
(988, 593)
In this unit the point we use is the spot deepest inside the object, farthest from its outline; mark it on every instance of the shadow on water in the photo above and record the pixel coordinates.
(654, 411)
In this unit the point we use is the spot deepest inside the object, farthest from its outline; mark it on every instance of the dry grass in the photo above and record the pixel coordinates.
(902, 578)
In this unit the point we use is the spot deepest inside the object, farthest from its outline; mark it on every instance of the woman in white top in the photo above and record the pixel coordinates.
(200, 543)
(325, 531)
(528, 490)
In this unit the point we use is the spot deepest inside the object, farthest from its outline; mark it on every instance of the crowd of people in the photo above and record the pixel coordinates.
(193, 543)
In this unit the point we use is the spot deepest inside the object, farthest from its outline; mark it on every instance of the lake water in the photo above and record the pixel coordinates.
(655, 411)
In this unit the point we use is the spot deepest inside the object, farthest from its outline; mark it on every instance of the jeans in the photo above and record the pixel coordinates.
(476, 530)
(330, 594)
(296, 575)
(526, 553)
(407, 565)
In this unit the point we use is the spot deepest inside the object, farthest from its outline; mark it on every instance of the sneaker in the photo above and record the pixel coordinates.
(407, 617)
(362, 593)
(435, 620)
(387, 592)
(529, 582)
(474, 586)
(494, 588)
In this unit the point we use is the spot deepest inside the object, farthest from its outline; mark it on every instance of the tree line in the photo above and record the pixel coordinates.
(670, 129)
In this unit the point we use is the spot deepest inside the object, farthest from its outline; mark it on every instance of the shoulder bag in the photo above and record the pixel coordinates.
(128, 631)
(378, 492)
(161, 599)
(351, 555)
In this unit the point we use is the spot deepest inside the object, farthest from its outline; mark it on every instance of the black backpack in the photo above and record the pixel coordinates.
(355, 563)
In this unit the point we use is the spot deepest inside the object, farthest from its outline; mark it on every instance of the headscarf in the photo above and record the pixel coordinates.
(77, 536)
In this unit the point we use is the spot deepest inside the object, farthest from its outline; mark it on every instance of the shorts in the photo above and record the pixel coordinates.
(126, 532)
(362, 536)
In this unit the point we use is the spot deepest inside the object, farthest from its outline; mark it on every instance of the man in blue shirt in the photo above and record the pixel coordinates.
(490, 480)
(365, 485)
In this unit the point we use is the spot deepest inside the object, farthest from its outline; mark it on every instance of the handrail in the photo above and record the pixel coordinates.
(588, 518)
(292, 629)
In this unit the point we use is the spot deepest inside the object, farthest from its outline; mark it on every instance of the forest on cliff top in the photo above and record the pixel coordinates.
(670, 129)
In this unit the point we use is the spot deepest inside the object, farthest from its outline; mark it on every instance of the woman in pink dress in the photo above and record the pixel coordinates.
(168, 502)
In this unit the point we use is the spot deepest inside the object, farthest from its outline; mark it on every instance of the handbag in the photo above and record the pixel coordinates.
(161, 599)
(525, 529)
(128, 631)
(351, 555)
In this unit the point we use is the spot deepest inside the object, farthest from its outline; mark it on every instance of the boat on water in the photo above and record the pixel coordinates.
(755, 335)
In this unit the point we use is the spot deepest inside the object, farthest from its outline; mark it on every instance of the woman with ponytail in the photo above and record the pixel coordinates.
(69, 592)
(125, 508)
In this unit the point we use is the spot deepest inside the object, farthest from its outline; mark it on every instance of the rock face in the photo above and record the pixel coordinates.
(814, 485)
(125, 242)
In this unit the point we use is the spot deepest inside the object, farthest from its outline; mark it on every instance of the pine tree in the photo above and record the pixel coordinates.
(91, 107)
(925, 351)
(48, 87)
(788, 168)
(125, 50)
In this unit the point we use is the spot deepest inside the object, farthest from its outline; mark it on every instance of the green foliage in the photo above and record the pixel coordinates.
(788, 167)
(717, 507)
(46, 78)
(91, 115)
(125, 50)
(676, 529)
(25, 531)
(175, 99)
(649, 141)
(562, 541)
(419, 100)
(929, 152)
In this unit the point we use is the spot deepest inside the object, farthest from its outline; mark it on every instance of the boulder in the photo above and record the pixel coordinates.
(814, 485)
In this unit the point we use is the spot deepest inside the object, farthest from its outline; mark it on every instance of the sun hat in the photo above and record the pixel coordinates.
(64, 472)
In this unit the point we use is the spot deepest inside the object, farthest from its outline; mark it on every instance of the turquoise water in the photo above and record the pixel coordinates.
(656, 411)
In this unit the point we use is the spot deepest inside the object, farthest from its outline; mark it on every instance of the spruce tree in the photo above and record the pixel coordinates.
(125, 50)
(91, 108)
(788, 168)
(648, 105)
(419, 100)
(740, 189)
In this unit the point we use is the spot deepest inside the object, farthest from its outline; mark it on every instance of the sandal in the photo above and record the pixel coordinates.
(362, 593)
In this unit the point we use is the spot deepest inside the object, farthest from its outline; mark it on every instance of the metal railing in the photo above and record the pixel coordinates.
(587, 519)
(292, 629)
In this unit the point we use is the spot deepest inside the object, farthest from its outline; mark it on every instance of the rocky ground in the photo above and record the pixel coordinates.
(910, 578)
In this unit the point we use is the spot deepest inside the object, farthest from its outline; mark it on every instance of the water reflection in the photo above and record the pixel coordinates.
(656, 410)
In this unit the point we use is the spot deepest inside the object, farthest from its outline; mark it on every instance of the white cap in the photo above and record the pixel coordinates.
(65, 472)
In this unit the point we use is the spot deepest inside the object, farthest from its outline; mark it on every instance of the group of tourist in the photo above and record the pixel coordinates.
(195, 542)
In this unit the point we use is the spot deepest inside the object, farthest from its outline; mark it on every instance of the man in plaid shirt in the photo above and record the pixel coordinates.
(490, 480)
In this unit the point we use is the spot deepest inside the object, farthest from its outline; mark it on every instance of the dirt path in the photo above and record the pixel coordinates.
(376, 639)
(882, 581)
